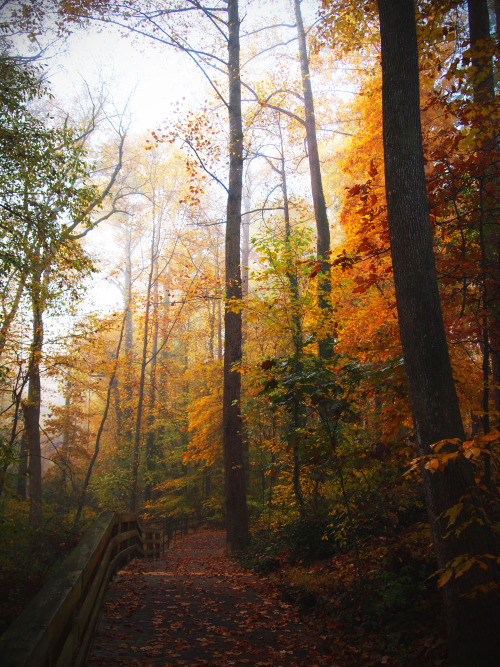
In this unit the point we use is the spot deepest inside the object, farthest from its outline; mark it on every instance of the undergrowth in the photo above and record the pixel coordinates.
(383, 609)
(29, 557)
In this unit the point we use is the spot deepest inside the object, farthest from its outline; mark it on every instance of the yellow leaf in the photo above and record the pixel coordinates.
(445, 577)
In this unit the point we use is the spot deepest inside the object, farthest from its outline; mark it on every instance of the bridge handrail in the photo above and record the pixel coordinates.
(159, 533)
(55, 629)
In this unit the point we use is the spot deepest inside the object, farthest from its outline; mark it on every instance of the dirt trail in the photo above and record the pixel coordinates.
(196, 607)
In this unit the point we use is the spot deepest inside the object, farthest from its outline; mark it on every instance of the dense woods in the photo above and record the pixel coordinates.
(304, 346)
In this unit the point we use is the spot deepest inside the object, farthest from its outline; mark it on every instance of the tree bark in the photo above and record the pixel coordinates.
(245, 259)
(127, 411)
(473, 637)
(245, 228)
(22, 469)
(219, 308)
(9, 316)
(111, 385)
(484, 96)
(31, 406)
(235, 488)
(142, 381)
(320, 213)
(479, 31)
(298, 415)
(151, 434)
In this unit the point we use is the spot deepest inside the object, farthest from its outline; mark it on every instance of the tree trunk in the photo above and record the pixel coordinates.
(151, 424)
(484, 96)
(116, 389)
(211, 328)
(245, 228)
(127, 411)
(22, 470)
(298, 415)
(31, 407)
(219, 309)
(245, 250)
(320, 214)
(235, 488)
(497, 35)
(10, 315)
(472, 623)
(482, 61)
(111, 385)
(245, 258)
(142, 382)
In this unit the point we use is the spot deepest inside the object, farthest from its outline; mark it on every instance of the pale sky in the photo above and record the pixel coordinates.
(156, 76)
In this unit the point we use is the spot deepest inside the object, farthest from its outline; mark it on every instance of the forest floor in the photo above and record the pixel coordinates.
(198, 607)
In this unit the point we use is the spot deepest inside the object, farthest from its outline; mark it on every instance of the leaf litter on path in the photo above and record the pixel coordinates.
(198, 608)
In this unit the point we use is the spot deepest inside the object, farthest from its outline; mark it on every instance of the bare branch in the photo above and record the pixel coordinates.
(202, 165)
(270, 48)
(268, 27)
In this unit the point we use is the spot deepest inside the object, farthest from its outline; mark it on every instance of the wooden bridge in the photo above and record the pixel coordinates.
(184, 605)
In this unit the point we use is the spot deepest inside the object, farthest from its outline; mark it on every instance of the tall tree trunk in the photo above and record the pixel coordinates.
(116, 390)
(320, 214)
(472, 623)
(9, 448)
(9, 445)
(245, 258)
(219, 309)
(31, 406)
(245, 250)
(151, 434)
(234, 473)
(211, 328)
(22, 469)
(111, 384)
(127, 411)
(10, 315)
(245, 245)
(484, 97)
(298, 415)
(497, 32)
(142, 381)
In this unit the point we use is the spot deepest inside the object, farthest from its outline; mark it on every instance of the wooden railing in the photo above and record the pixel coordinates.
(160, 533)
(177, 526)
(55, 630)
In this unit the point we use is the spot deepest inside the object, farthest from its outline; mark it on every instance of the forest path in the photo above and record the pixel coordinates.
(197, 607)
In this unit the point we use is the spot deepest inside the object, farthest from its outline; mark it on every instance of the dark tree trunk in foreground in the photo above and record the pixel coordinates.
(472, 623)
(320, 214)
(235, 488)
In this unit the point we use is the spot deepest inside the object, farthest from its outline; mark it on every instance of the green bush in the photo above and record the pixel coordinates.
(27, 557)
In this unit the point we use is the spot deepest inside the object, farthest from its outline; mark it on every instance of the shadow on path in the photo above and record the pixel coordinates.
(196, 608)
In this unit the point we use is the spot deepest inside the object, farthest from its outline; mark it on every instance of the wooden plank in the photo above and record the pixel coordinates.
(84, 624)
(40, 630)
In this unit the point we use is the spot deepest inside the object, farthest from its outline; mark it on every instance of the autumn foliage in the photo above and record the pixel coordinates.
(135, 421)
